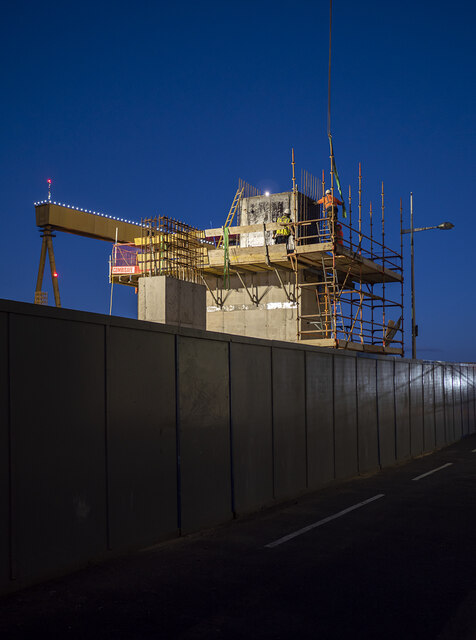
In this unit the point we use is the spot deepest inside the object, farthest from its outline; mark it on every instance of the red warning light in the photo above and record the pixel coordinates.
(55, 275)
(49, 181)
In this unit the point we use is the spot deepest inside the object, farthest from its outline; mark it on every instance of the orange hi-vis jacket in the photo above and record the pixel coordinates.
(328, 201)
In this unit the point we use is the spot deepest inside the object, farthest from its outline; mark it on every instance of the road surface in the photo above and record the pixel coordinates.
(392, 555)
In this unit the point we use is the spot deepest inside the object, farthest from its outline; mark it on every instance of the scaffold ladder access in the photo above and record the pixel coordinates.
(231, 214)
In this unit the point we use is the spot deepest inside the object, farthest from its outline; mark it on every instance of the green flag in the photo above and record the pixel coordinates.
(226, 258)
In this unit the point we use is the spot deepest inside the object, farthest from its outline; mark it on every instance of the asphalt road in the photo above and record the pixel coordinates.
(386, 556)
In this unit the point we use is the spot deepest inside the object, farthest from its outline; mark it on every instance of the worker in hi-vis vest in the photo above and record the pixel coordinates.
(330, 203)
(282, 233)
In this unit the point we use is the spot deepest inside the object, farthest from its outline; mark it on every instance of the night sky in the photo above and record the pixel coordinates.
(143, 108)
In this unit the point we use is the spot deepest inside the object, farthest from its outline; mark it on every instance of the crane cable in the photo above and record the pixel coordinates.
(329, 135)
(329, 75)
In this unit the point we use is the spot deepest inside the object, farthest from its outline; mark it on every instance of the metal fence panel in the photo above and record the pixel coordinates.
(416, 404)
(367, 415)
(438, 375)
(252, 427)
(386, 411)
(345, 416)
(320, 419)
(289, 422)
(402, 410)
(4, 455)
(204, 432)
(58, 443)
(141, 437)
(428, 407)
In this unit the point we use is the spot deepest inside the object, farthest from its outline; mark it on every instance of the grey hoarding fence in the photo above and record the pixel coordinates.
(117, 434)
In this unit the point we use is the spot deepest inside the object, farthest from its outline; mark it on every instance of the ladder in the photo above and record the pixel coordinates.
(329, 308)
(332, 293)
(231, 214)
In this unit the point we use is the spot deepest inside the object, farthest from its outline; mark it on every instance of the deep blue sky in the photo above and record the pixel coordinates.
(138, 108)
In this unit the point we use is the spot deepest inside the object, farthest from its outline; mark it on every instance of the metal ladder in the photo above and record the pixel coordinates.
(332, 294)
(231, 214)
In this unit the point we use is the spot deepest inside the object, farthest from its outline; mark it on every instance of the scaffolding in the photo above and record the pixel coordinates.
(345, 288)
(165, 247)
(343, 271)
(342, 282)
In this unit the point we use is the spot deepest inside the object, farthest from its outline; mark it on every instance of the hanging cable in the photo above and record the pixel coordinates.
(329, 77)
(329, 135)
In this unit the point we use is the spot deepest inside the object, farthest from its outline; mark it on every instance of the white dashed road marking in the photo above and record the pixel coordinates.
(428, 473)
(310, 527)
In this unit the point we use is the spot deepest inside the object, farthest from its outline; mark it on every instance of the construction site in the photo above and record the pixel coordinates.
(283, 266)
(211, 421)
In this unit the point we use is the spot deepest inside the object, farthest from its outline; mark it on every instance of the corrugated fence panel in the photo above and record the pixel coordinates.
(367, 414)
(472, 401)
(465, 399)
(386, 411)
(345, 417)
(458, 413)
(320, 419)
(449, 404)
(469, 388)
(438, 376)
(428, 408)
(58, 443)
(402, 409)
(4, 456)
(204, 432)
(141, 437)
(252, 427)
(289, 422)
(416, 404)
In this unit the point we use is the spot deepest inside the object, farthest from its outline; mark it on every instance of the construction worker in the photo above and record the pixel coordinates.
(282, 233)
(330, 203)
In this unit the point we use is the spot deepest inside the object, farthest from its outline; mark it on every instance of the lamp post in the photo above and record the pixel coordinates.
(444, 226)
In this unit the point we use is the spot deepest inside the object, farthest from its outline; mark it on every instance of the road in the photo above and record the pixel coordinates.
(387, 556)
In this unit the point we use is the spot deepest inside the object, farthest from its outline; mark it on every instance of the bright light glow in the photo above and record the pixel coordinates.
(55, 275)
(49, 181)
(266, 193)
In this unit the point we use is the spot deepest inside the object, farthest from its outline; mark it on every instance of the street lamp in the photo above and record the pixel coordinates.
(444, 226)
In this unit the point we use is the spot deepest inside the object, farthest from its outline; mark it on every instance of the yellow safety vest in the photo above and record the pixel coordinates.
(283, 231)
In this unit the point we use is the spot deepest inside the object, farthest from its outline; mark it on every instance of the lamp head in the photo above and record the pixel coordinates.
(446, 226)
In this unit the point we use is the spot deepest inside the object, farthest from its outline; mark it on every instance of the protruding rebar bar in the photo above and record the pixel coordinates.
(360, 207)
(371, 232)
(350, 217)
(401, 283)
(383, 264)
(294, 175)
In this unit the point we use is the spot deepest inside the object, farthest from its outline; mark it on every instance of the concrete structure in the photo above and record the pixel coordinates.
(263, 304)
(171, 301)
(264, 308)
(264, 209)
